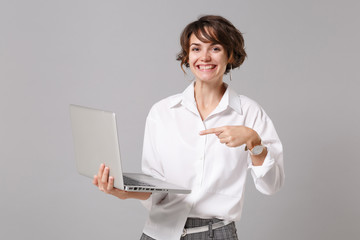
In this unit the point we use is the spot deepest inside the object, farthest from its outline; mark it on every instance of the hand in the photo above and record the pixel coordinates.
(106, 183)
(235, 136)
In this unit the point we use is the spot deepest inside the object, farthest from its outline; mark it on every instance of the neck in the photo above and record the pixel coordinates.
(208, 95)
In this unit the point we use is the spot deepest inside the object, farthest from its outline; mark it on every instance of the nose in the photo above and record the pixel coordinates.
(206, 57)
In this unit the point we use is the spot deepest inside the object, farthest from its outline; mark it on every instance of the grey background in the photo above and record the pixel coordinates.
(120, 55)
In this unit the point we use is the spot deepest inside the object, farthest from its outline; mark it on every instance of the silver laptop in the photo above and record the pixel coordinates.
(96, 141)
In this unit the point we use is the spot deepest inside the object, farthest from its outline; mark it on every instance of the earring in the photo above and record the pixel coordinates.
(230, 72)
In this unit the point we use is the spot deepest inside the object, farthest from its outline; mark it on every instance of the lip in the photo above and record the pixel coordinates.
(206, 67)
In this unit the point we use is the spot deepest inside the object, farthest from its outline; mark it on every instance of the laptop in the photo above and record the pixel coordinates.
(96, 141)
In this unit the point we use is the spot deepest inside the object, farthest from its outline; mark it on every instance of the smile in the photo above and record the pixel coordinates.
(206, 67)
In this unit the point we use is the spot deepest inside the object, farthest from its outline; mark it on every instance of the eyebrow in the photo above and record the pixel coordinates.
(198, 44)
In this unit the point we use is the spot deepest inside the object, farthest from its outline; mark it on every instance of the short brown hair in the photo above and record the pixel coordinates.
(214, 29)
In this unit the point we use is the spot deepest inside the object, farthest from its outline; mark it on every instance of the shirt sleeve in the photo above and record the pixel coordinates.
(151, 164)
(270, 176)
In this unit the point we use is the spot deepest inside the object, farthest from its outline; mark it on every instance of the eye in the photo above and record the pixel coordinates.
(216, 49)
(195, 49)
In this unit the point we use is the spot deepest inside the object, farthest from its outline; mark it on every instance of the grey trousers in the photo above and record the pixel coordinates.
(227, 232)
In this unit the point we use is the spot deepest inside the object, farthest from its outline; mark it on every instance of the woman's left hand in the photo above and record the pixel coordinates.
(235, 136)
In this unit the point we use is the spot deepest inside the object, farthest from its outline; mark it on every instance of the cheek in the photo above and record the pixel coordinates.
(191, 62)
(224, 62)
(191, 58)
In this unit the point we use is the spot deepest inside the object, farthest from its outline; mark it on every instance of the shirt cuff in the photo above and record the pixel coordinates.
(260, 171)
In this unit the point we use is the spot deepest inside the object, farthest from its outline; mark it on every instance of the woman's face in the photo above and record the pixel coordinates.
(207, 60)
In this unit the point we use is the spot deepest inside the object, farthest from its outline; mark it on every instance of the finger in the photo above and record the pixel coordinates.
(105, 176)
(230, 144)
(212, 130)
(222, 135)
(99, 176)
(101, 170)
(95, 180)
(110, 186)
(225, 139)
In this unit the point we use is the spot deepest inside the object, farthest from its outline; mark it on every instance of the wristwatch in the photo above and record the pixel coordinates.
(257, 150)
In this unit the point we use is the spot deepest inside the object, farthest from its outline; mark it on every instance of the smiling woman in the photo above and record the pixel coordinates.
(205, 139)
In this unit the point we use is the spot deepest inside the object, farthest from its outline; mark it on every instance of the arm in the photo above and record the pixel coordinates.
(270, 176)
(267, 168)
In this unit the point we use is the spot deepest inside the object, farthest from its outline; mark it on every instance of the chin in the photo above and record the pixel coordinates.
(209, 80)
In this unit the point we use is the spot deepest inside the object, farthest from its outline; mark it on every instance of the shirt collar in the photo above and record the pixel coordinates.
(187, 99)
(234, 101)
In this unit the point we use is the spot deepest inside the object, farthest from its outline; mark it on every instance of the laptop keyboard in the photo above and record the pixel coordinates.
(132, 182)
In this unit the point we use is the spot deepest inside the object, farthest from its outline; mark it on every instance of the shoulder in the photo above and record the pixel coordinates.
(242, 104)
(252, 110)
(248, 104)
(164, 105)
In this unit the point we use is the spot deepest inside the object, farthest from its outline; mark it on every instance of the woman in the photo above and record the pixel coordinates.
(205, 139)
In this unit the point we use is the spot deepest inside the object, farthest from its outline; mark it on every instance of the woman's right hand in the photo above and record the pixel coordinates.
(105, 183)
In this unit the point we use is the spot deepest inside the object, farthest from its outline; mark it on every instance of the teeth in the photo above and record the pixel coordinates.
(207, 67)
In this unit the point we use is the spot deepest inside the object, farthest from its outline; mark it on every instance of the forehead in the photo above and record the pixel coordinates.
(194, 39)
(204, 34)
(203, 40)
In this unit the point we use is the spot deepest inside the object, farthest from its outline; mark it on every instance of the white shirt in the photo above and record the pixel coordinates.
(174, 151)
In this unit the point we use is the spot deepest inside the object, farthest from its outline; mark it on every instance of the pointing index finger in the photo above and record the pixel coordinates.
(212, 130)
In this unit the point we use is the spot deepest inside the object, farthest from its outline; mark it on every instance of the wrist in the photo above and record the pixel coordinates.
(144, 195)
(254, 140)
(137, 195)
